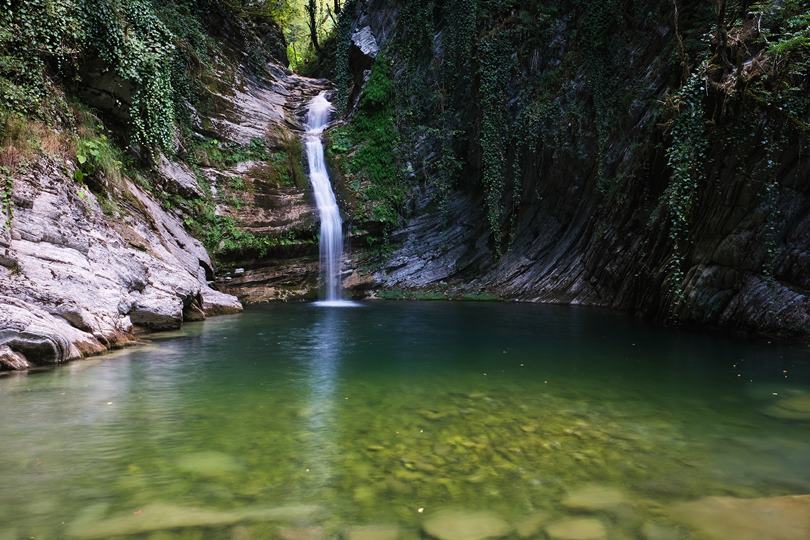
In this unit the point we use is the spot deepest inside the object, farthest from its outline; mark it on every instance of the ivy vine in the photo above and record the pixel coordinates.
(685, 156)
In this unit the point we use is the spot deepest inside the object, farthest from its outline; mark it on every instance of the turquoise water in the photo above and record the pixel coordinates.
(290, 417)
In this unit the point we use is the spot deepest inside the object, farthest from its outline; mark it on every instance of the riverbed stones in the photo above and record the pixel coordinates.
(577, 529)
(594, 498)
(209, 464)
(465, 525)
(652, 530)
(772, 518)
(302, 533)
(530, 526)
(373, 532)
(162, 517)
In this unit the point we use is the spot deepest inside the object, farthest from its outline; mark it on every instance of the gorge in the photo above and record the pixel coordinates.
(578, 231)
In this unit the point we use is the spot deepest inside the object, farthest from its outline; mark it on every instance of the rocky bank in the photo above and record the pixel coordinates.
(78, 279)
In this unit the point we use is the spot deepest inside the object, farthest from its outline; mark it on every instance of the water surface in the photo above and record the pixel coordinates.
(390, 411)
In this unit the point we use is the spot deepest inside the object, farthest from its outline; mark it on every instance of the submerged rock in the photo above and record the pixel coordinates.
(373, 532)
(530, 526)
(210, 464)
(162, 517)
(302, 533)
(577, 529)
(593, 498)
(464, 525)
(657, 531)
(795, 407)
(772, 518)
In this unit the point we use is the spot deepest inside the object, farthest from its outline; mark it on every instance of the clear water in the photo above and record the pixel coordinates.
(374, 413)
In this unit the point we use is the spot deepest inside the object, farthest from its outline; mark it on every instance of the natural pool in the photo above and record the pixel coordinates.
(300, 422)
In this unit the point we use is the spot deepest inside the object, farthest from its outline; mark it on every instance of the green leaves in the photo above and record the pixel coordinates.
(686, 157)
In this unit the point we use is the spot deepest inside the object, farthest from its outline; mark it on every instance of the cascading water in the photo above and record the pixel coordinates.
(331, 224)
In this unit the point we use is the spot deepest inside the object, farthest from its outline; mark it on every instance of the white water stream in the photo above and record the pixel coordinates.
(331, 224)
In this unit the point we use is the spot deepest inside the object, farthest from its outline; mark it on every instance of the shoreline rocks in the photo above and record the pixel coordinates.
(84, 282)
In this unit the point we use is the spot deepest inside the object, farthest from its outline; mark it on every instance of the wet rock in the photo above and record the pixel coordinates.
(373, 532)
(594, 498)
(209, 464)
(720, 518)
(577, 529)
(531, 526)
(464, 525)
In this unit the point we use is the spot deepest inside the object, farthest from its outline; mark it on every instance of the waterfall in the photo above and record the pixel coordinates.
(331, 224)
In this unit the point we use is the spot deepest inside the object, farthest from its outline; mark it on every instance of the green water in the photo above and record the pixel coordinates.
(387, 412)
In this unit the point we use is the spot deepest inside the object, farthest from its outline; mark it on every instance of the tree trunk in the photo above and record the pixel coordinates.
(337, 7)
(312, 11)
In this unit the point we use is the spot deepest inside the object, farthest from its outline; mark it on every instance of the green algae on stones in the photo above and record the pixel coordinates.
(209, 464)
(464, 525)
(593, 498)
(530, 526)
(652, 530)
(373, 532)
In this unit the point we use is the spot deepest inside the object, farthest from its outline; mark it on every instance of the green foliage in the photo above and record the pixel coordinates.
(160, 50)
(686, 157)
(212, 152)
(6, 192)
(366, 151)
(343, 78)
(495, 76)
(98, 156)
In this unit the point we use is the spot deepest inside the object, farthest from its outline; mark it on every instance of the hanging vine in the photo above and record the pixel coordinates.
(495, 69)
(685, 156)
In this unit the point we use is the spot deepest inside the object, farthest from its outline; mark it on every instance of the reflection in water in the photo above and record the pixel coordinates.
(322, 365)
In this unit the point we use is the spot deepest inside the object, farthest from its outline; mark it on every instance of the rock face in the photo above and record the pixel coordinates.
(81, 281)
(283, 213)
(75, 281)
(571, 243)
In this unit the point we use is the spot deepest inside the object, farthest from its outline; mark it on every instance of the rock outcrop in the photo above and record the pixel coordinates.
(78, 277)
(576, 237)
(78, 282)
